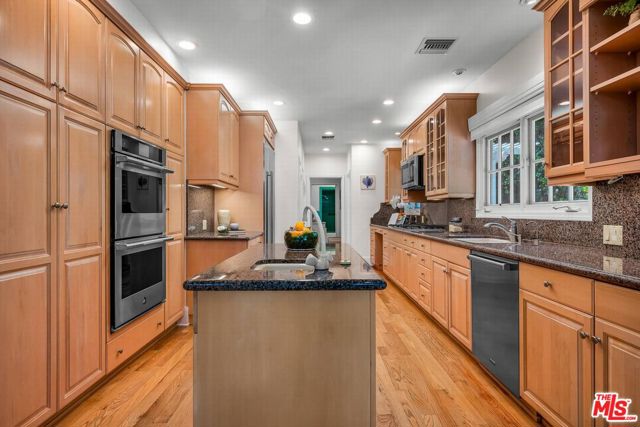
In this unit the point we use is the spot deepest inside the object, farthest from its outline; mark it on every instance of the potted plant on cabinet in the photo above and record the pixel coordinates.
(629, 8)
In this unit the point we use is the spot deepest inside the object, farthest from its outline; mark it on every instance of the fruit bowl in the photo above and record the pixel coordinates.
(300, 238)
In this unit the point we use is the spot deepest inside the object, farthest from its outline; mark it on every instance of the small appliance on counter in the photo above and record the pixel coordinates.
(455, 225)
(224, 217)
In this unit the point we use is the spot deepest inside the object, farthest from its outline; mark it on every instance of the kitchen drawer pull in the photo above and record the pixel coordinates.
(65, 206)
(119, 351)
(501, 265)
(583, 334)
(596, 340)
(547, 284)
(56, 205)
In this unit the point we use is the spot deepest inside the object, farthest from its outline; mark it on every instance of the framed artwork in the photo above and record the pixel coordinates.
(367, 182)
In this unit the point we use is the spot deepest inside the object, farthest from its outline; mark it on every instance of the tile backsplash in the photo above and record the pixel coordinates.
(200, 205)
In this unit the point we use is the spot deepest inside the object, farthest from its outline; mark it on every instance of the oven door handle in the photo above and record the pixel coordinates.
(121, 245)
(142, 164)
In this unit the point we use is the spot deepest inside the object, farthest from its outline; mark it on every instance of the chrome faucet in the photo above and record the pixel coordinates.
(324, 258)
(512, 231)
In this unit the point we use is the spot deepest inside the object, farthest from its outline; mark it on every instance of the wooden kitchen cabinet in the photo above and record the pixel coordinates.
(556, 360)
(176, 295)
(82, 59)
(28, 52)
(460, 304)
(173, 115)
(122, 81)
(213, 134)
(442, 129)
(81, 253)
(28, 268)
(150, 102)
(440, 292)
(392, 174)
(176, 194)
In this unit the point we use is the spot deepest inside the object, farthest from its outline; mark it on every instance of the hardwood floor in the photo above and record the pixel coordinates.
(423, 379)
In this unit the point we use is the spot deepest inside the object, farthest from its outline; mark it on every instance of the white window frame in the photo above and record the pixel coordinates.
(527, 208)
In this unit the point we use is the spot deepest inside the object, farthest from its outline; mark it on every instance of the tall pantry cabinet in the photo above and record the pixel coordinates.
(66, 73)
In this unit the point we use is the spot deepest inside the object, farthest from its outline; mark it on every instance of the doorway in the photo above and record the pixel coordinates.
(325, 198)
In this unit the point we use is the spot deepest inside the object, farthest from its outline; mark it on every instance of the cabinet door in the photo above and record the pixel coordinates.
(460, 307)
(440, 169)
(556, 360)
(151, 99)
(419, 138)
(176, 295)
(27, 268)
(412, 275)
(81, 224)
(122, 81)
(81, 62)
(440, 291)
(617, 363)
(430, 155)
(173, 122)
(234, 154)
(28, 35)
(175, 195)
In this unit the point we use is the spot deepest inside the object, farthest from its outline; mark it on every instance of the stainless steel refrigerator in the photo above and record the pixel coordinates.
(269, 203)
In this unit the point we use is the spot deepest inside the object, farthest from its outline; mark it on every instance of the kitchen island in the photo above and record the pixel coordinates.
(285, 346)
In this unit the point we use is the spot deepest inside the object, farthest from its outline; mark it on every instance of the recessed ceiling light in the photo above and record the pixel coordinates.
(187, 45)
(376, 121)
(364, 141)
(328, 133)
(397, 133)
(459, 71)
(302, 18)
(326, 149)
(388, 102)
(278, 103)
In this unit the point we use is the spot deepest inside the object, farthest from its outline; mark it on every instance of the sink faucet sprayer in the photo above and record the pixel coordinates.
(324, 258)
(512, 231)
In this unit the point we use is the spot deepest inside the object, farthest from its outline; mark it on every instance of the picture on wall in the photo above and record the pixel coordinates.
(367, 182)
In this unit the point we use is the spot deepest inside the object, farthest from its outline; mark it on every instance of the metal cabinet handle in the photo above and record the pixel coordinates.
(583, 334)
(56, 205)
(119, 351)
(65, 206)
(54, 84)
(166, 140)
(596, 340)
(159, 324)
(547, 284)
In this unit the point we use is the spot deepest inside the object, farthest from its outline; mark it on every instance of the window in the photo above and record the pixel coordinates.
(511, 180)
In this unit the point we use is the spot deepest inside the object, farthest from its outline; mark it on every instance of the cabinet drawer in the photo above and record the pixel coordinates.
(568, 289)
(407, 240)
(618, 305)
(451, 253)
(424, 260)
(425, 295)
(132, 340)
(424, 274)
(423, 245)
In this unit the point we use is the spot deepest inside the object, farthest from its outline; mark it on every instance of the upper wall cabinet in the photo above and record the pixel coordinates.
(438, 133)
(81, 61)
(28, 36)
(592, 78)
(151, 100)
(173, 111)
(213, 135)
(392, 178)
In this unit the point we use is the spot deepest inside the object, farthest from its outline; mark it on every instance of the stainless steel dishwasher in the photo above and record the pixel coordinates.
(495, 318)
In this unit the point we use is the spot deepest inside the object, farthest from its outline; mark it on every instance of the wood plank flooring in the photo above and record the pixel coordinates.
(423, 379)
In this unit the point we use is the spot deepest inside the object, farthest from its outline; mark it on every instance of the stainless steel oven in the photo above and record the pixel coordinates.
(412, 173)
(138, 187)
(138, 252)
(138, 277)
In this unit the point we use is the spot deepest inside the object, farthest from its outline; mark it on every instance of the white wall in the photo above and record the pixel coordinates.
(325, 165)
(289, 183)
(513, 72)
(364, 160)
(138, 21)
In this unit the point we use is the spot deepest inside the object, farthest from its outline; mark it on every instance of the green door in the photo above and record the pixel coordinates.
(328, 207)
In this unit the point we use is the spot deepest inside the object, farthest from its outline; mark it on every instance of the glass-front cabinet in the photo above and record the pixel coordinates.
(564, 92)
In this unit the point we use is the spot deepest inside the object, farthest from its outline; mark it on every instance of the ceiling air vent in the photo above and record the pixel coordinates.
(434, 46)
(327, 137)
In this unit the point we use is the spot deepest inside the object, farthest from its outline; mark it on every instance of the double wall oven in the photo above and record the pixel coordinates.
(138, 252)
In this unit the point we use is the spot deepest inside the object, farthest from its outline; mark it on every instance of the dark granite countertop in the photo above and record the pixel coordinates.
(237, 273)
(214, 235)
(580, 260)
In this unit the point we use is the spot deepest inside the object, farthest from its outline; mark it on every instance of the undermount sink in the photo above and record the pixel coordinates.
(485, 240)
(285, 266)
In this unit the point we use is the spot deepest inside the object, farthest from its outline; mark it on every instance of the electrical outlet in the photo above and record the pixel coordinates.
(612, 264)
(612, 235)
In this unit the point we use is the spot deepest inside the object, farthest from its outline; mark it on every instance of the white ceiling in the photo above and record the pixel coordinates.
(334, 73)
